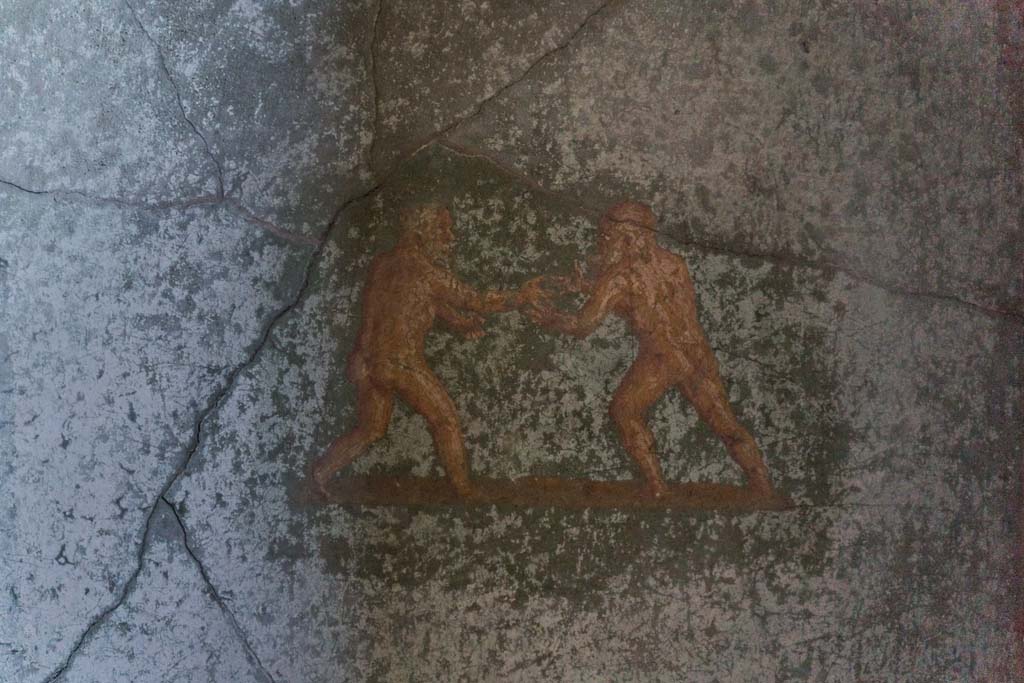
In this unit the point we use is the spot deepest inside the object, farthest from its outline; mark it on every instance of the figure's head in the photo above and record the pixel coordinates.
(626, 228)
(428, 227)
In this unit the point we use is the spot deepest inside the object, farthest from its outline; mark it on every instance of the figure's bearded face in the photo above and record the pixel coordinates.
(611, 244)
(436, 238)
(445, 238)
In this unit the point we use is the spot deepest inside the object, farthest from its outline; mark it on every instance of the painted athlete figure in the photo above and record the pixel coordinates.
(406, 290)
(651, 289)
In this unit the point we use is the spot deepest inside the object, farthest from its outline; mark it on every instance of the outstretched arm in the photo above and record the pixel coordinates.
(457, 294)
(606, 294)
(470, 326)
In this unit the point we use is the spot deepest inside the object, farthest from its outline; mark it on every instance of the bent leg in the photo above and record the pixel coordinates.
(425, 394)
(645, 382)
(707, 394)
(374, 406)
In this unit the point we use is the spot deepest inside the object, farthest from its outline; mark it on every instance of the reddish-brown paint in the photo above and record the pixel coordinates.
(407, 290)
(650, 288)
(550, 492)
(636, 279)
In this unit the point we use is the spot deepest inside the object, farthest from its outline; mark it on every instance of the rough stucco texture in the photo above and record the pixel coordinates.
(191, 193)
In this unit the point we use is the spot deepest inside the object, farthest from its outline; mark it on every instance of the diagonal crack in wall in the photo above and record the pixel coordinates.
(582, 26)
(788, 260)
(177, 96)
(216, 596)
(213, 404)
(440, 137)
(524, 75)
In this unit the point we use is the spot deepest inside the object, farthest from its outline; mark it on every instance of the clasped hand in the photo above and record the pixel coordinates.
(535, 297)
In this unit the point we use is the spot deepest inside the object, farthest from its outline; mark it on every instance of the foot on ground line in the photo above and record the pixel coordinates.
(320, 477)
(657, 489)
(761, 485)
(467, 490)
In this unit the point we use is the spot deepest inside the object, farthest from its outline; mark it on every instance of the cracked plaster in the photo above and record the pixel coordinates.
(189, 209)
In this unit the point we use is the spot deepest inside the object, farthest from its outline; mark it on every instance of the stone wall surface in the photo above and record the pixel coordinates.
(190, 198)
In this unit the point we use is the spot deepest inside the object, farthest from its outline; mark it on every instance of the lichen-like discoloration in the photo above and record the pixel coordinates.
(833, 375)
(842, 180)
(282, 93)
(119, 324)
(433, 72)
(170, 629)
(875, 138)
(86, 107)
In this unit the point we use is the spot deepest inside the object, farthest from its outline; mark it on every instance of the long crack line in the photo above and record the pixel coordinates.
(177, 96)
(465, 152)
(533, 66)
(219, 198)
(177, 205)
(779, 259)
(212, 405)
(440, 138)
(102, 617)
(79, 196)
(215, 594)
(196, 439)
(270, 227)
(21, 188)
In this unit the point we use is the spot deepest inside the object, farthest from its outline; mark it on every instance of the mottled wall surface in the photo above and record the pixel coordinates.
(190, 196)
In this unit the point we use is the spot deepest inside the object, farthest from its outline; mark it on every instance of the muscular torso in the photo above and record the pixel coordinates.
(658, 301)
(398, 308)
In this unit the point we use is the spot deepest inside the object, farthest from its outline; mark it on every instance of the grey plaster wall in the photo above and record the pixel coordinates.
(190, 194)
